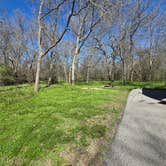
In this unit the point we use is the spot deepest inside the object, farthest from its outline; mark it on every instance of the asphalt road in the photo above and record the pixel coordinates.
(141, 137)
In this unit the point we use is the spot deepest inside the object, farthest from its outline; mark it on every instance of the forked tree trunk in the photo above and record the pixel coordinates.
(36, 87)
(40, 53)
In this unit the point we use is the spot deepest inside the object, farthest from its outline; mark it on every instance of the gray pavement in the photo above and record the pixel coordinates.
(141, 136)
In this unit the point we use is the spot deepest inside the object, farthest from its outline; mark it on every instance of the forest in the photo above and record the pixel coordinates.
(75, 40)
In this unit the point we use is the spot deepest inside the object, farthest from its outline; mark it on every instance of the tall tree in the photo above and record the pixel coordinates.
(51, 8)
(86, 19)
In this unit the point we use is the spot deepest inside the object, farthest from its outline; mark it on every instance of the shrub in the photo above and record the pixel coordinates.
(6, 77)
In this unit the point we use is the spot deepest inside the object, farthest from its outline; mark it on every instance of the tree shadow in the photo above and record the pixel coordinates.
(157, 94)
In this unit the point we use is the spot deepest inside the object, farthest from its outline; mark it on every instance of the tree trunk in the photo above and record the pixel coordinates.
(108, 72)
(74, 62)
(132, 57)
(73, 71)
(113, 69)
(132, 74)
(36, 88)
(76, 68)
(123, 73)
(150, 69)
(87, 74)
(69, 79)
(65, 72)
(50, 79)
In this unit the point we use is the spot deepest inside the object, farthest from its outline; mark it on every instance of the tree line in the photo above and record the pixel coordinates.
(73, 40)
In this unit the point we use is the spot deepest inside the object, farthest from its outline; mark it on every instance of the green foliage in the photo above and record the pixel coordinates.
(6, 75)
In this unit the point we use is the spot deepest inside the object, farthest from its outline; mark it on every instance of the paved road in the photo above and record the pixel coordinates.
(141, 137)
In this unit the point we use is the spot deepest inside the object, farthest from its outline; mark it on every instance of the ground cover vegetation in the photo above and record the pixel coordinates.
(61, 124)
(66, 68)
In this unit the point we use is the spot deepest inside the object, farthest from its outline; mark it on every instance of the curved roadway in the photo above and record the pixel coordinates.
(141, 137)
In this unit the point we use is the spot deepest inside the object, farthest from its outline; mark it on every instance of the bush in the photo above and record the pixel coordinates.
(6, 77)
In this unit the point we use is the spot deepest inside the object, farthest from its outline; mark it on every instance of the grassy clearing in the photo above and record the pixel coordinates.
(135, 84)
(53, 126)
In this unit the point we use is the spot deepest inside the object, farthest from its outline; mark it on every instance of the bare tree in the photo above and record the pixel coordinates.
(42, 53)
(83, 25)
(115, 40)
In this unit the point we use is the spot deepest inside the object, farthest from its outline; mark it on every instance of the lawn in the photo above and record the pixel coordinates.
(60, 124)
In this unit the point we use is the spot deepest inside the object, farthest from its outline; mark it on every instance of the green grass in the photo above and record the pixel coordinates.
(37, 128)
(129, 85)
(135, 84)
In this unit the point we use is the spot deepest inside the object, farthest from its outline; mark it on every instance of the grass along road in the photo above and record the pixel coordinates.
(49, 126)
(59, 124)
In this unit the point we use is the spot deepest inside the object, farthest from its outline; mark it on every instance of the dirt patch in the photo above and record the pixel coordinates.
(82, 156)
(91, 155)
(111, 87)
(92, 88)
(101, 88)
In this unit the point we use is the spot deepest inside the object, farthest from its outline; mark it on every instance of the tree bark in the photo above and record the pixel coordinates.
(36, 88)
(73, 70)
(69, 79)
(87, 74)
(50, 79)
(113, 69)
(74, 62)
(40, 52)
(65, 72)
(123, 73)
